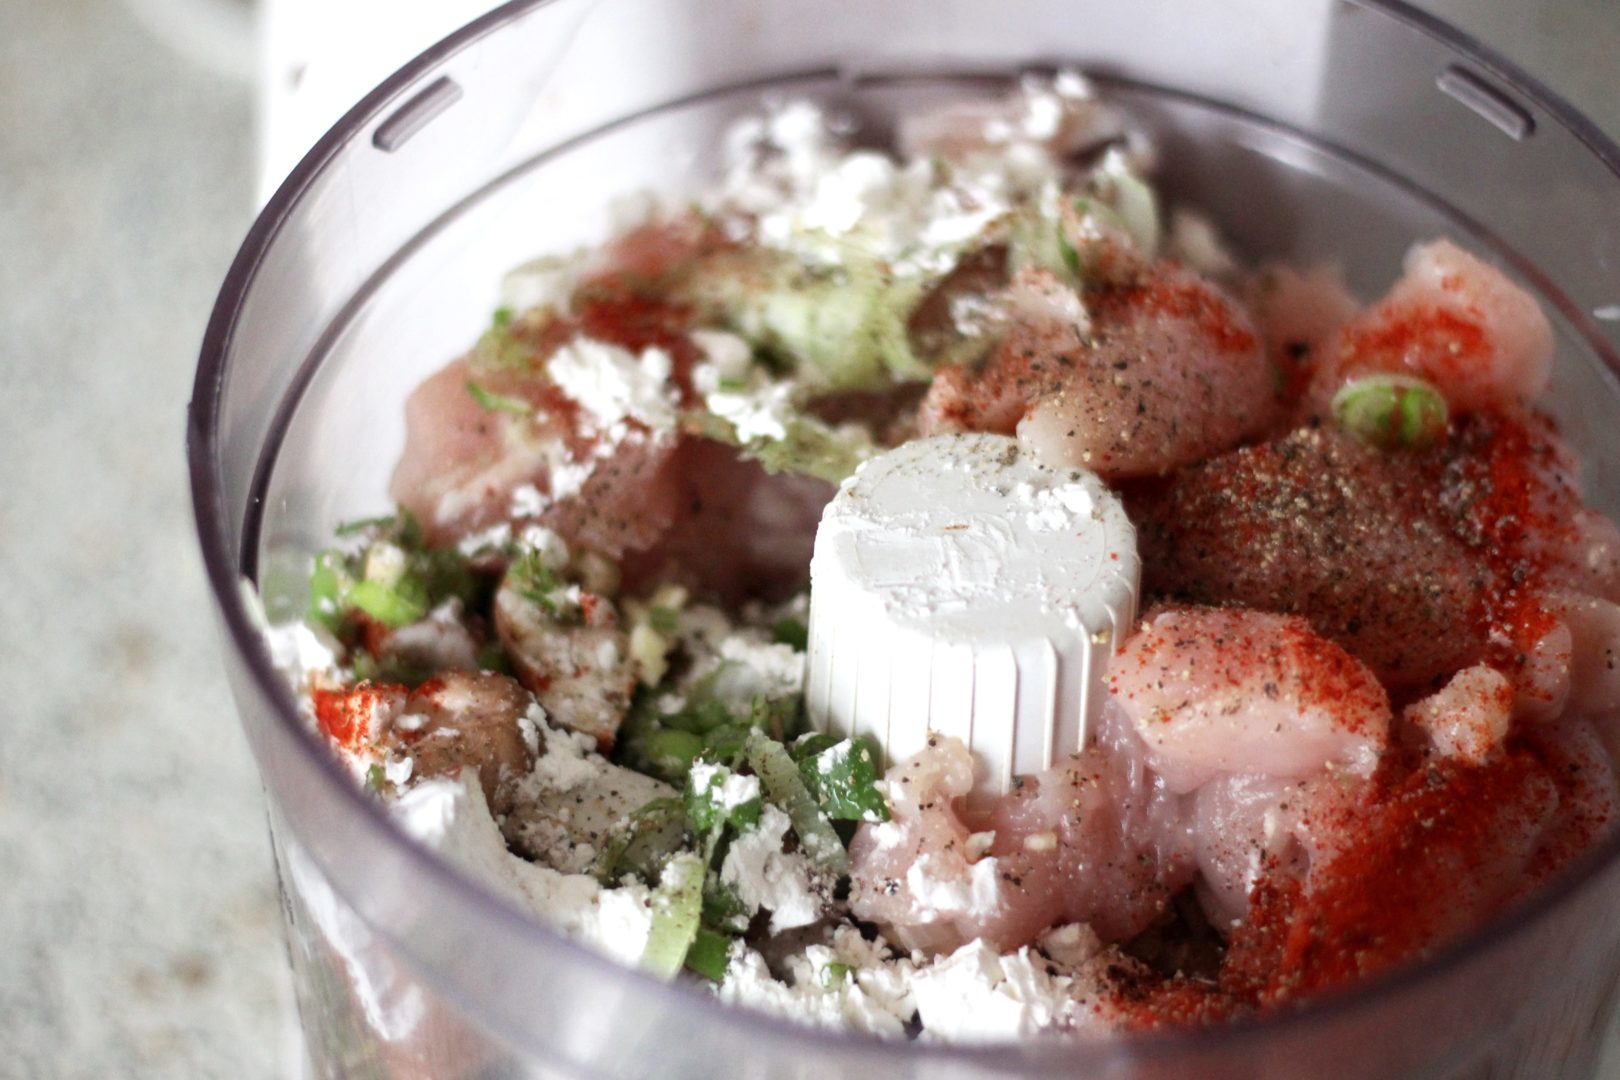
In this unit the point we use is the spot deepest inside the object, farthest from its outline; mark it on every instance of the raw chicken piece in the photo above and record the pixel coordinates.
(1468, 718)
(1297, 311)
(453, 721)
(1452, 320)
(1317, 525)
(570, 652)
(1230, 691)
(1168, 371)
(1096, 839)
(530, 451)
(742, 532)
(1428, 860)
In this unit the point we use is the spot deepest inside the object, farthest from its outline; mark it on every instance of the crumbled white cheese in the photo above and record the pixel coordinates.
(1071, 945)
(728, 790)
(569, 759)
(613, 384)
(941, 892)
(450, 817)
(494, 538)
(851, 983)
(778, 668)
(975, 995)
(301, 650)
(529, 501)
(767, 878)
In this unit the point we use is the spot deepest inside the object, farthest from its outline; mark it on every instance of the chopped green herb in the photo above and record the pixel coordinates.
(844, 779)
(502, 318)
(376, 778)
(490, 401)
(534, 578)
(1391, 412)
(834, 975)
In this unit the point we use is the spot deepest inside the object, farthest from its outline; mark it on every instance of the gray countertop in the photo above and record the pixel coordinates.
(139, 931)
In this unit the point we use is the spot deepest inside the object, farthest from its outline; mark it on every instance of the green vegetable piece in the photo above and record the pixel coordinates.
(1391, 412)
(700, 717)
(376, 778)
(502, 318)
(725, 744)
(784, 786)
(834, 975)
(844, 779)
(705, 808)
(665, 620)
(710, 954)
(389, 605)
(669, 753)
(327, 584)
(382, 526)
(677, 907)
(791, 631)
(490, 401)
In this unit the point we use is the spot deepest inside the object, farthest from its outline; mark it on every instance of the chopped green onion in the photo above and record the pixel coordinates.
(668, 753)
(785, 787)
(502, 318)
(834, 975)
(726, 743)
(677, 908)
(791, 631)
(385, 603)
(710, 954)
(706, 812)
(1391, 412)
(376, 778)
(490, 401)
(663, 619)
(326, 589)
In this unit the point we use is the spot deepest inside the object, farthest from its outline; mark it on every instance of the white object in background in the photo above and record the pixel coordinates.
(320, 57)
(960, 587)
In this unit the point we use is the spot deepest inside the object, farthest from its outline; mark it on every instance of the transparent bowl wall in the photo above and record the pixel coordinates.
(1309, 129)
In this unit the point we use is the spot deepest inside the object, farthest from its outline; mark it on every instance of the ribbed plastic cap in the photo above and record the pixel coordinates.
(960, 587)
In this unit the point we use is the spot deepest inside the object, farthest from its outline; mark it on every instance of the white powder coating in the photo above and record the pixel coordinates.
(959, 586)
(614, 385)
(767, 878)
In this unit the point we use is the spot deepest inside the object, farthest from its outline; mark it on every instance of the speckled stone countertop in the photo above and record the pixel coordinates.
(139, 932)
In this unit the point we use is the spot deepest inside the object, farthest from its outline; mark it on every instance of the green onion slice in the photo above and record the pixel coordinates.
(1391, 412)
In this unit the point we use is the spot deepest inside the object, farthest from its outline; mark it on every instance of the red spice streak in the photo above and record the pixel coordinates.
(1432, 341)
(1430, 859)
(1180, 299)
(345, 715)
(1511, 513)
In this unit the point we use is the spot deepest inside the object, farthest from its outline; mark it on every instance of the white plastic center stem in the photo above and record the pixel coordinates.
(958, 586)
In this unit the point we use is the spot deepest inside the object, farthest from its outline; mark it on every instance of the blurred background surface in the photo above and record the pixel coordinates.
(139, 930)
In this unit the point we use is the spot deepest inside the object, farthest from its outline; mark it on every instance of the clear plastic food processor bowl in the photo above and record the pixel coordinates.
(1310, 129)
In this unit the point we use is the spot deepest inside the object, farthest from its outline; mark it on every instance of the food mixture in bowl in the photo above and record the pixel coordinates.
(1369, 700)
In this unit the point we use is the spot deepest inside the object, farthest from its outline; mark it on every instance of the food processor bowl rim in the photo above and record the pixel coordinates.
(223, 570)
